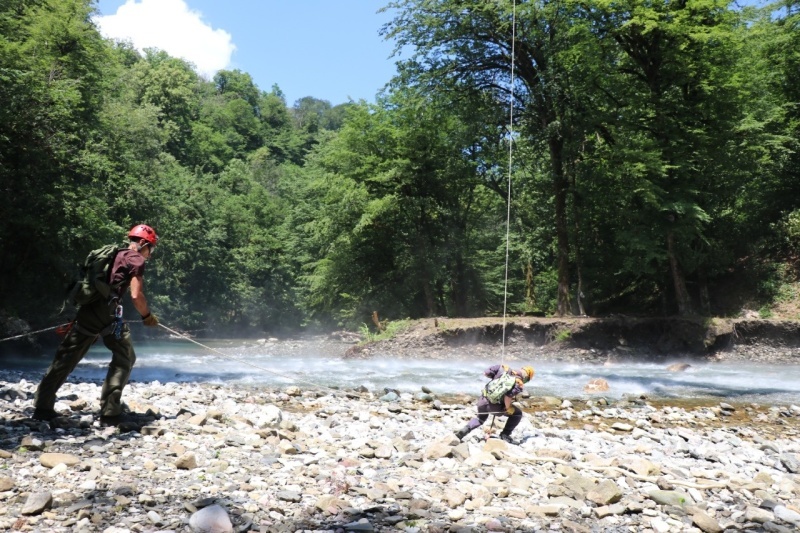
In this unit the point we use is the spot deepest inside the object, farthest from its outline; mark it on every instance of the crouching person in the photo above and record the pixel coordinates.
(497, 398)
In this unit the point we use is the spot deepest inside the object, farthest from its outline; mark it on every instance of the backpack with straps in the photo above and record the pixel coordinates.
(499, 386)
(92, 283)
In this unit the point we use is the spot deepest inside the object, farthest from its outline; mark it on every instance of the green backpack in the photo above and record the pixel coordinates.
(499, 386)
(92, 283)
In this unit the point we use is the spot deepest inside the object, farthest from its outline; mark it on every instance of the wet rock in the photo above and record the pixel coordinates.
(754, 514)
(706, 523)
(787, 514)
(439, 450)
(289, 496)
(791, 462)
(679, 367)
(187, 461)
(361, 525)
(596, 385)
(211, 519)
(670, 497)
(605, 493)
(390, 397)
(620, 426)
(49, 460)
(37, 503)
(609, 510)
(31, 443)
(642, 467)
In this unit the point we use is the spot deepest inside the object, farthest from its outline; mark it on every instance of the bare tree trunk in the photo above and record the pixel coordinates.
(560, 186)
(530, 293)
(705, 299)
(682, 298)
(430, 301)
(576, 209)
(579, 291)
(459, 288)
(425, 279)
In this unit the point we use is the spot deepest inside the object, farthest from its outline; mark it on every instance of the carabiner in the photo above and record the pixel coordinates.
(118, 320)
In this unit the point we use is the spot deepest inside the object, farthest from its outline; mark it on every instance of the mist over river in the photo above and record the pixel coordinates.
(311, 364)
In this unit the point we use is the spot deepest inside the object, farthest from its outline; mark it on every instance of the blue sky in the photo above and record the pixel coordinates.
(328, 49)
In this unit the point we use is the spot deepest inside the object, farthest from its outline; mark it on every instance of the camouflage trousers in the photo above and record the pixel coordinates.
(485, 408)
(93, 320)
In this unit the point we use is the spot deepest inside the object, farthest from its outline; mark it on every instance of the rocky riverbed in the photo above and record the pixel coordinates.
(202, 457)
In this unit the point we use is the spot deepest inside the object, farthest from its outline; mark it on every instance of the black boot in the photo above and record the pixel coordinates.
(461, 433)
(507, 437)
(44, 414)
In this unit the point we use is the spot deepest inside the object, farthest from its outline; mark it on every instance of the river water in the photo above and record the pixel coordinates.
(307, 365)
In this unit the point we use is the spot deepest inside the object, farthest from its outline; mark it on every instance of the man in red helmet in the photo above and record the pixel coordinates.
(100, 315)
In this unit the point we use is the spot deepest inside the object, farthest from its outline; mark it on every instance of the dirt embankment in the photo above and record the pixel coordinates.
(597, 339)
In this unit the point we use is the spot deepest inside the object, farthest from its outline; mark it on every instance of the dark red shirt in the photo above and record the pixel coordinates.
(127, 265)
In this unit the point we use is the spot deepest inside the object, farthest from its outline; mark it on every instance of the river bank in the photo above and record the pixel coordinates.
(594, 340)
(580, 339)
(241, 458)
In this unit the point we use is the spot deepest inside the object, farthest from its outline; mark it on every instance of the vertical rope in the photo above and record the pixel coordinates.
(510, 160)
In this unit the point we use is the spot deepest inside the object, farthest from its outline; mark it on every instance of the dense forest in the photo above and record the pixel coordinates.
(649, 151)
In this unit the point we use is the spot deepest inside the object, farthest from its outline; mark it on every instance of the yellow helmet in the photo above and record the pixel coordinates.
(528, 373)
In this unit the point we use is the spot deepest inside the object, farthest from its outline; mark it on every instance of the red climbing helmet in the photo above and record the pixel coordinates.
(144, 232)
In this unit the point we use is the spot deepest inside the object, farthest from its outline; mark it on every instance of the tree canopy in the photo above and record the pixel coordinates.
(528, 157)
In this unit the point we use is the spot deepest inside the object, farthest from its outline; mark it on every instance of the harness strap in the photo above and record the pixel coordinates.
(108, 330)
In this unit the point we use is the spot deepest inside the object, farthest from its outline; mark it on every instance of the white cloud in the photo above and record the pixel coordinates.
(171, 26)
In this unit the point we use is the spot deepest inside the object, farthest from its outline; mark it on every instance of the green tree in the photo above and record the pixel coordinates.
(677, 110)
(769, 69)
(52, 65)
(171, 85)
(238, 84)
(392, 215)
(473, 42)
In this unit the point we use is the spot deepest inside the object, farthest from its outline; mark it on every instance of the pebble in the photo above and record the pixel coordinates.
(230, 458)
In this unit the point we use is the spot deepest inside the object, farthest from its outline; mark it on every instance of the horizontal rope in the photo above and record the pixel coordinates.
(33, 333)
(263, 369)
